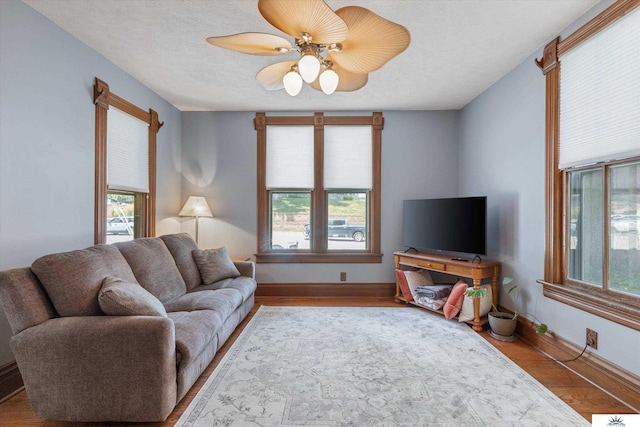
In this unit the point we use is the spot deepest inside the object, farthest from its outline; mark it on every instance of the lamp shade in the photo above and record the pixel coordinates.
(329, 81)
(292, 83)
(196, 206)
(309, 67)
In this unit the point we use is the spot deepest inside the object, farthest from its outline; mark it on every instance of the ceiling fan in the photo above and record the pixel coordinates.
(338, 49)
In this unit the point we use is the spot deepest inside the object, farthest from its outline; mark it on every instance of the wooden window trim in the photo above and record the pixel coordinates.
(103, 98)
(616, 307)
(318, 200)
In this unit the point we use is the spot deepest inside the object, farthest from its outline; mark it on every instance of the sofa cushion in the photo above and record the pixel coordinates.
(118, 297)
(214, 265)
(223, 302)
(181, 246)
(73, 279)
(245, 285)
(194, 331)
(154, 267)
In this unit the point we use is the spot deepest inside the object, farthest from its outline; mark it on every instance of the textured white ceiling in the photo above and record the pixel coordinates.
(458, 49)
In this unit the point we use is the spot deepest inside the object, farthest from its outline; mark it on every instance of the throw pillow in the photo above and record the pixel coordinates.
(466, 313)
(214, 265)
(454, 302)
(418, 278)
(403, 285)
(118, 297)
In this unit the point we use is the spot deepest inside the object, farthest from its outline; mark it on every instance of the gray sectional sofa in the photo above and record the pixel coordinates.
(121, 332)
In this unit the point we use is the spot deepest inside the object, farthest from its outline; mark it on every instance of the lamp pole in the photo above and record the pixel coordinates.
(197, 221)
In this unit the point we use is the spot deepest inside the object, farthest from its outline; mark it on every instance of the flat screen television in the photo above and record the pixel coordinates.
(446, 225)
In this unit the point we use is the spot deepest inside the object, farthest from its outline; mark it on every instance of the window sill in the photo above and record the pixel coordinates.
(612, 306)
(327, 258)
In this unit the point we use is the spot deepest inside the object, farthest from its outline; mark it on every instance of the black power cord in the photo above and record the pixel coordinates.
(543, 330)
(569, 360)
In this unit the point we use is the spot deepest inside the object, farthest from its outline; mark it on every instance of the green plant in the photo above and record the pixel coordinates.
(506, 281)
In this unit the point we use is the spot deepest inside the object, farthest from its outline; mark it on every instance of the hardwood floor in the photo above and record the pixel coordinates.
(578, 393)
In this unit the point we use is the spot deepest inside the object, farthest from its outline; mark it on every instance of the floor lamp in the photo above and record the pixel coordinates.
(196, 206)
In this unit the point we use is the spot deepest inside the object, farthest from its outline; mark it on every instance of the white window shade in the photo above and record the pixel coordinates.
(127, 152)
(600, 96)
(289, 157)
(348, 157)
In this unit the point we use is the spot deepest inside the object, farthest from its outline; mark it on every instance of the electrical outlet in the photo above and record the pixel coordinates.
(343, 277)
(592, 339)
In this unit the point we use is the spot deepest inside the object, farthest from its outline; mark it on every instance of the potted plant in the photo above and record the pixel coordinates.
(503, 324)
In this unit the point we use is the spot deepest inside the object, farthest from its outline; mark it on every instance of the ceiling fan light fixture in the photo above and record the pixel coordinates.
(336, 49)
(292, 83)
(329, 81)
(309, 67)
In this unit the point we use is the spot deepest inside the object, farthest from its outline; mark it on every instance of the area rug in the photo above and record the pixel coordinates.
(346, 366)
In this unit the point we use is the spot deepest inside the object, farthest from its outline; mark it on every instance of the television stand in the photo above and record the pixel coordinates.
(476, 271)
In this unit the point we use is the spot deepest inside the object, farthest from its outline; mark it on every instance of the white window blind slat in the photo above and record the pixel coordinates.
(289, 157)
(600, 96)
(348, 157)
(127, 152)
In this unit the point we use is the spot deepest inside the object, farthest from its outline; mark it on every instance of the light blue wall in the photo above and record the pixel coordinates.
(219, 162)
(502, 153)
(47, 137)
(419, 159)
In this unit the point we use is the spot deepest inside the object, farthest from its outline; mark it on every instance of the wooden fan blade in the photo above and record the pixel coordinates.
(253, 43)
(348, 81)
(305, 16)
(372, 40)
(270, 77)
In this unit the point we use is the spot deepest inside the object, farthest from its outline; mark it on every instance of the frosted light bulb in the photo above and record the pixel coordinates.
(329, 81)
(309, 67)
(292, 83)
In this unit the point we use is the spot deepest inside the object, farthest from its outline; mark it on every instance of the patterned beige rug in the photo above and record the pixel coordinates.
(317, 366)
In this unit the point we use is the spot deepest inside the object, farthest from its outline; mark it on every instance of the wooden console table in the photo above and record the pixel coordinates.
(477, 271)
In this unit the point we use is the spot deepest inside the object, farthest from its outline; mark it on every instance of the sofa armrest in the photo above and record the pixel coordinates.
(99, 368)
(246, 268)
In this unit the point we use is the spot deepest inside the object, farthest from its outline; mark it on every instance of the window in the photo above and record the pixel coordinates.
(319, 188)
(125, 214)
(593, 238)
(125, 168)
(592, 251)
